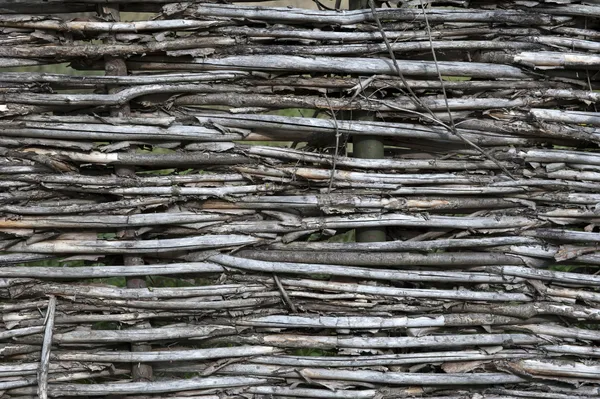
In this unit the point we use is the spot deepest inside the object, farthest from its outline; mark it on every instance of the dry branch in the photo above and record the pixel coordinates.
(153, 387)
(132, 247)
(44, 367)
(337, 65)
(485, 286)
(305, 17)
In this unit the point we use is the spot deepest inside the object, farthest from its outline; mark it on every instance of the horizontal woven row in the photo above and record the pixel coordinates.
(185, 225)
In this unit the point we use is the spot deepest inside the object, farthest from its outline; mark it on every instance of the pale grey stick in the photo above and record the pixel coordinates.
(46, 345)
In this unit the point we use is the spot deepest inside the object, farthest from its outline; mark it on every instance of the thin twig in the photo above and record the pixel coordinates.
(417, 100)
(284, 294)
(337, 145)
(393, 57)
(46, 345)
(451, 118)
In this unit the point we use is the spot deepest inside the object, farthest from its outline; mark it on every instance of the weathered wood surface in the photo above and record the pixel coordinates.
(217, 169)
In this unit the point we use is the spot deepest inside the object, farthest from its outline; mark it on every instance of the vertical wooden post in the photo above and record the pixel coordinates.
(366, 147)
(114, 66)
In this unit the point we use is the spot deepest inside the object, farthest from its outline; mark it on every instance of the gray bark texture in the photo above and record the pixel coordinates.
(275, 200)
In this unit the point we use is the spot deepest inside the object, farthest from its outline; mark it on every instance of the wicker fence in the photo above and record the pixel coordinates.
(239, 201)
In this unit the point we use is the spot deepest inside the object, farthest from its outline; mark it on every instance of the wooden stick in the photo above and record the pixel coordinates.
(337, 65)
(304, 17)
(392, 378)
(133, 246)
(44, 366)
(153, 387)
(169, 356)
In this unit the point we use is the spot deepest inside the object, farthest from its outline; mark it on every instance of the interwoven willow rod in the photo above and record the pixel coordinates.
(184, 199)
